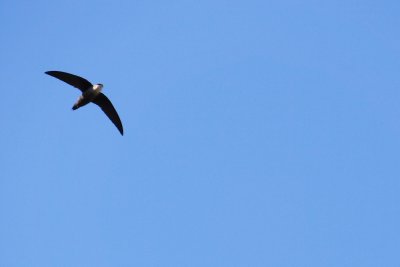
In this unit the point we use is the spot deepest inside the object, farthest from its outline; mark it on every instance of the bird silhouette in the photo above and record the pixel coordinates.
(90, 93)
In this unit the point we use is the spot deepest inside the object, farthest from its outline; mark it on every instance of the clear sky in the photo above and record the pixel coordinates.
(257, 133)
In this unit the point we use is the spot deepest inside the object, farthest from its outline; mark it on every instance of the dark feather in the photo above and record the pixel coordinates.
(74, 80)
(105, 104)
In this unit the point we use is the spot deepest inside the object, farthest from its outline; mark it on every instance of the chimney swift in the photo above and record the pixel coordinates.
(90, 93)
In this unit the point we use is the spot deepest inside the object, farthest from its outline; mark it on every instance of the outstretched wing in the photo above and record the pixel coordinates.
(105, 104)
(74, 80)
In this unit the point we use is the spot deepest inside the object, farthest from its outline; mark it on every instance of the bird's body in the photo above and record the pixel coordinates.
(87, 96)
(90, 93)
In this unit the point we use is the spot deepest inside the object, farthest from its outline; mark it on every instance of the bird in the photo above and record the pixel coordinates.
(90, 93)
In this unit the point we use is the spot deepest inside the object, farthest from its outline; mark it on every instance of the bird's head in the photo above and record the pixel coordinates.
(98, 87)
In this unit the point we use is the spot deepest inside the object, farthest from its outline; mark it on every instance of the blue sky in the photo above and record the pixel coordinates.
(257, 133)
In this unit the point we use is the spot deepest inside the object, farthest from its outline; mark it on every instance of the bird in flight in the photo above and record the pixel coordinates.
(90, 93)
